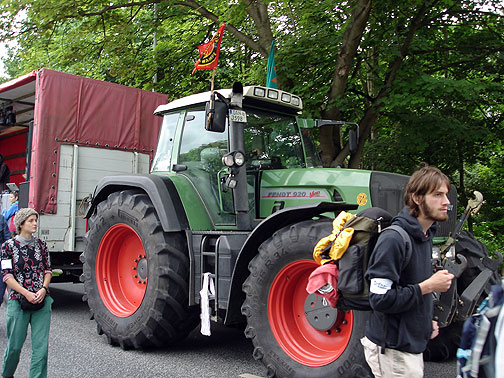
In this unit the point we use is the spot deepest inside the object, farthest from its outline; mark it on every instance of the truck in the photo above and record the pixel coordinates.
(226, 221)
(59, 134)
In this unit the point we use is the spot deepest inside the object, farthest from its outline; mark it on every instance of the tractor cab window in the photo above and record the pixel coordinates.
(201, 152)
(272, 141)
(162, 160)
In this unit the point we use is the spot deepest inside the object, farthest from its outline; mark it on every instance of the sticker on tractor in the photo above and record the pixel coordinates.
(275, 194)
(362, 199)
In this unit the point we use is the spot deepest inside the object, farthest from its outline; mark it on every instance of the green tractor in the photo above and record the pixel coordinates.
(236, 190)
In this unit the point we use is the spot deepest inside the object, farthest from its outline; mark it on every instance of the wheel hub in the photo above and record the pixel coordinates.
(141, 268)
(319, 313)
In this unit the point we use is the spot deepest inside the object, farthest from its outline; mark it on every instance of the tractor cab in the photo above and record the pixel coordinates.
(274, 138)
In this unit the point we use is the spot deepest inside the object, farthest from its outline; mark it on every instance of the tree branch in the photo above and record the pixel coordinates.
(213, 17)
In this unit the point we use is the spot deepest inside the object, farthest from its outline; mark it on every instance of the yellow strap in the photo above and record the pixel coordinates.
(341, 239)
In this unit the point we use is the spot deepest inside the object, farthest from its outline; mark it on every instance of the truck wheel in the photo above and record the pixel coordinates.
(135, 275)
(277, 308)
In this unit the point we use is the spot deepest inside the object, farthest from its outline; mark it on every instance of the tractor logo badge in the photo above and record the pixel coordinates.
(361, 199)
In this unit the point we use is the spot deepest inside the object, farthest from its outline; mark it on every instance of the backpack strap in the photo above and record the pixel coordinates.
(479, 343)
(407, 242)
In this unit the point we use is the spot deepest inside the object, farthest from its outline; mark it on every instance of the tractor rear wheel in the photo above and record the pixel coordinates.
(135, 275)
(289, 339)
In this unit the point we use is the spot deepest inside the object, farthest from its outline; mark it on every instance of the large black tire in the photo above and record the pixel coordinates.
(283, 338)
(135, 275)
(445, 345)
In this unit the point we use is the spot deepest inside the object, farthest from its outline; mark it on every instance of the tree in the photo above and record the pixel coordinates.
(366, 65)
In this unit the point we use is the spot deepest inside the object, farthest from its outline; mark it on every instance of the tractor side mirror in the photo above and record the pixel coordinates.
(353, 140)
(216, 111)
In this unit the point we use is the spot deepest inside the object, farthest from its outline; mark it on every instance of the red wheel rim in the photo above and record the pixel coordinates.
(289, 325)
(121, 270)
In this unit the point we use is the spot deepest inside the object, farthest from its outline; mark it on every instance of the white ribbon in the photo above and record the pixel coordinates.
(207, 289)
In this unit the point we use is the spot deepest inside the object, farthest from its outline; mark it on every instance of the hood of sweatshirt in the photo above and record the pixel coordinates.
(411, 225)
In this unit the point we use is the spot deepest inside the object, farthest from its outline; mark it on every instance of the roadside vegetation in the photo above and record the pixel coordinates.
(423, 79)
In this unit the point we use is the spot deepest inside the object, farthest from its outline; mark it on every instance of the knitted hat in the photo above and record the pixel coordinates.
(22, 215)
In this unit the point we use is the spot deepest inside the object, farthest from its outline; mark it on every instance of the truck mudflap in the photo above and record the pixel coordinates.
(160, 189)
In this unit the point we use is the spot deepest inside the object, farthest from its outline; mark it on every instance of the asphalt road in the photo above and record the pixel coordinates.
(76, 350)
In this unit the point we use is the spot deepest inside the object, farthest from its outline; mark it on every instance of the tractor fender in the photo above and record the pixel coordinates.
(261, 233)
(161, 192)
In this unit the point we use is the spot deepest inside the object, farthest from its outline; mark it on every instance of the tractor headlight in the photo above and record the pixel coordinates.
(228, 160)
(235, 158)
(239, 158)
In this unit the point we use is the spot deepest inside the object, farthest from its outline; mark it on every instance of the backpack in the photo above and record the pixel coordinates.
(367, 226)
(476, 354)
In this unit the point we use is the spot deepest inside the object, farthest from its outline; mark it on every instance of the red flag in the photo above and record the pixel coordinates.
(209, 52)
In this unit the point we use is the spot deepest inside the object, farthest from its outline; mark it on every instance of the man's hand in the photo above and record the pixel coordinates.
(435, 329)
(439, 281)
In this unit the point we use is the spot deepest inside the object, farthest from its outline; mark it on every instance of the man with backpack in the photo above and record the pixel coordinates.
(401, 281)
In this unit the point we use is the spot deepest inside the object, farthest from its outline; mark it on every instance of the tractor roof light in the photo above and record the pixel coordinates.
(286, 97)
(259, 92)
(273, 94)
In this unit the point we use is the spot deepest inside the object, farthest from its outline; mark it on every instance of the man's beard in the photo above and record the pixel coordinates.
(430, 213)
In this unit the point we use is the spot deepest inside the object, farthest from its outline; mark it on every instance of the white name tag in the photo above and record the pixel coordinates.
(380, 285)
(7, 264)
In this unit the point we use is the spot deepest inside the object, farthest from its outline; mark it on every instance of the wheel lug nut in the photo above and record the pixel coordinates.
(136, 260)
(134, 268)
(344, 321)
(136, 276)
(338, 330)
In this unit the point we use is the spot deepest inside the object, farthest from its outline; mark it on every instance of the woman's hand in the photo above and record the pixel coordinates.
(40, 295)
(31, 297)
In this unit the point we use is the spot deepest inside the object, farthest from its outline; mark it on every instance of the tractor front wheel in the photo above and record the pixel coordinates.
(136, 275)
(296, 334)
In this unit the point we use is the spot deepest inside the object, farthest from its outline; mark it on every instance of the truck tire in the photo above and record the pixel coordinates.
(135, 275)
(283, 338)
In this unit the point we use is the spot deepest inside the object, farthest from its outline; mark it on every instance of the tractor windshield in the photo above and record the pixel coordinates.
(272, 141)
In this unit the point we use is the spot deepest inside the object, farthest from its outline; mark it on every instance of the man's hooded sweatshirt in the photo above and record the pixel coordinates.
(397, 299)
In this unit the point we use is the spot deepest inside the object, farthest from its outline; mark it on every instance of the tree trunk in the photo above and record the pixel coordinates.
(373, 110)
(329, 137)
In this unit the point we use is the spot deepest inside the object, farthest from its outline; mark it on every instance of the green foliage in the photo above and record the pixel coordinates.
(487, 177)
(445, 105)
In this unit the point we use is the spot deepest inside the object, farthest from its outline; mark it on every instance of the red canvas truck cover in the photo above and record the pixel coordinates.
(70, 109)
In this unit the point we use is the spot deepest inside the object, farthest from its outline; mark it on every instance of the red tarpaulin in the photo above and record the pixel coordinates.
(75, 110)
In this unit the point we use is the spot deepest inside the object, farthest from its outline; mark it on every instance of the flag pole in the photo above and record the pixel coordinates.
(210, 113)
